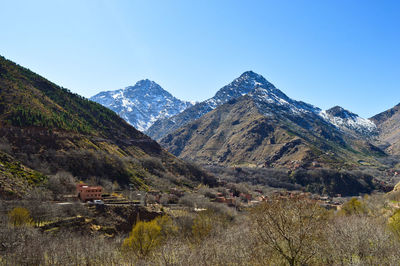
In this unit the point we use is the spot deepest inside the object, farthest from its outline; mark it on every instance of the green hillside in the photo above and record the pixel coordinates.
(49, 129)
(15, 178)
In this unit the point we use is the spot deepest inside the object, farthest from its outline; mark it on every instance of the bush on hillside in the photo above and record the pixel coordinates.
(19, 217)
(353, 207)
(146, 236)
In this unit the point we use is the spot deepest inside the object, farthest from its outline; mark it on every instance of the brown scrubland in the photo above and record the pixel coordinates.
(278, 231)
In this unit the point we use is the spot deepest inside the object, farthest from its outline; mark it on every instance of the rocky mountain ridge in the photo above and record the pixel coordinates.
(350, 122)
(142, 104)
(257, 86)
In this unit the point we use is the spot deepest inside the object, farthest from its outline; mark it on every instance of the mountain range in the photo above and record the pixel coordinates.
(251, 122)
(247, 83)
(45, 128)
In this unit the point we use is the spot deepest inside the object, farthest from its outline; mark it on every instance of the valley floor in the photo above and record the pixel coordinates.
(283, 229)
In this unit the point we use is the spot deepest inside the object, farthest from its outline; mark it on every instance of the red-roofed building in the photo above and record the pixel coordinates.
(86, 193)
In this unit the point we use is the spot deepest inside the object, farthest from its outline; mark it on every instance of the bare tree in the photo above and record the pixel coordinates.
(360, 240)
(289, 228)
(61, 183)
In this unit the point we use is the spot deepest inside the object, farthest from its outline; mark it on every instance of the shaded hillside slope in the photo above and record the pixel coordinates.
(388, 123)
(48, 128)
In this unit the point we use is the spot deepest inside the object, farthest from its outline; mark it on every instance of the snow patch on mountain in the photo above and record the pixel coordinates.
(348, 121)
(241, 86)
(337, 116)
(276, 97)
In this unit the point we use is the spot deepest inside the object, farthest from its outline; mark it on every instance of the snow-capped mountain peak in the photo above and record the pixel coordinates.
(348, 121)
(240, 86)
(142, 104)
(257, 87)
(338, 116)
(340, 112)
(249, 83)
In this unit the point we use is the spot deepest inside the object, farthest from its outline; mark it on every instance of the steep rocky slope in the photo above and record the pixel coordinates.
(388, 123)
(253, 130)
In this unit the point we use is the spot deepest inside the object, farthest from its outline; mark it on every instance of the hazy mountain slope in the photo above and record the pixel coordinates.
(388, 123)
(142, 104)
(49, 129)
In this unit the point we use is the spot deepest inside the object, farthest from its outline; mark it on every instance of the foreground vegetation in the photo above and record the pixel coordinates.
(279, 231)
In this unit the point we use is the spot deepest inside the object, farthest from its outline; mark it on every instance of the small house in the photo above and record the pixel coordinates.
(86, 193)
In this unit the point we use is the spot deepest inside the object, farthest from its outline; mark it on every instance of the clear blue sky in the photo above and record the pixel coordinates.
(324, 52)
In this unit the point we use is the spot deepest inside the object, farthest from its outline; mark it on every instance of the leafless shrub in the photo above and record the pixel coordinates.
(29, 246)
(152, 163)
(232, 245)
(289, 229)
(60, 184)
(39, 194)
(168, 199)
(356, 240)
(208, 192)
(106, 184)
(194, 200)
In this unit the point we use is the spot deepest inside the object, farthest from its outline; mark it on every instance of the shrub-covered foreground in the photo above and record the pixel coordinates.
(280, 231)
